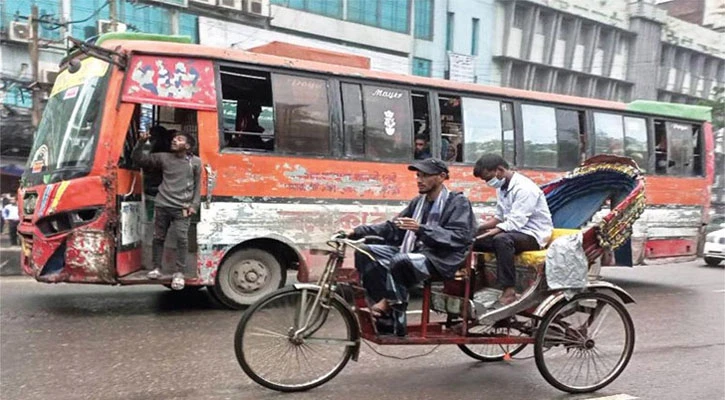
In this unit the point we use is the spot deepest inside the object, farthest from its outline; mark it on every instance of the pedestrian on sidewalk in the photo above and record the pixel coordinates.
(11, 217)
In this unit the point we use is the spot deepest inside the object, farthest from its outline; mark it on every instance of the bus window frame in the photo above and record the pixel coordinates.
(700, 138)
(332, 102)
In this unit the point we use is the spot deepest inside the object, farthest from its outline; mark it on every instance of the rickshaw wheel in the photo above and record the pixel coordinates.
(270, 355)
(492, 352)
(589, 335)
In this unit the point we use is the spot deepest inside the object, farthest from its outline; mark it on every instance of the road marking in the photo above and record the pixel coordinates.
(615, 397)
(719, 291)
(414, 312)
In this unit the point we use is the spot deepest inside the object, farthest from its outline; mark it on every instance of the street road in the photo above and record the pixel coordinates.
(133, 343)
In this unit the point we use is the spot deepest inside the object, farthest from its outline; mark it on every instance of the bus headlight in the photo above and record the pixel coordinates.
(65, 221)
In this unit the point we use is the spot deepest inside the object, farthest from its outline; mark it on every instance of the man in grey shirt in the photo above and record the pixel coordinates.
(522, 221)
(178, 198)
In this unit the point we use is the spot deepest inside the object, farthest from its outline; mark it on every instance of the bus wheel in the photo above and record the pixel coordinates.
(246, 276)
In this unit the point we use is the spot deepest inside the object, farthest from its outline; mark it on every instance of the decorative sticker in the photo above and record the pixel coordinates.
(171, 81)
(71, 93)
(40, 159)
(389, 122)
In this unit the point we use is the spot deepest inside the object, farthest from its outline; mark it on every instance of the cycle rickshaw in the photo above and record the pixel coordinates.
(301, 336)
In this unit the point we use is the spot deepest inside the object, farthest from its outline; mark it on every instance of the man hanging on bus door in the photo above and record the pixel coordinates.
(522, 221)
(177, 199)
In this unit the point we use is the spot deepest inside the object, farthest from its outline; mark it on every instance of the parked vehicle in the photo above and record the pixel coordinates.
(715, 247)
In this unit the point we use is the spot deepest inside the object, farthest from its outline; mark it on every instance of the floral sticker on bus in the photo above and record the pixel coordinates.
(171, 81)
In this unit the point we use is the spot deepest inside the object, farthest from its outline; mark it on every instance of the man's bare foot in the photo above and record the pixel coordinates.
(380, 309)
(508, 296)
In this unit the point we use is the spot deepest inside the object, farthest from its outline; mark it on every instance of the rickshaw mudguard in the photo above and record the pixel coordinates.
(593, 286)
(348, 308)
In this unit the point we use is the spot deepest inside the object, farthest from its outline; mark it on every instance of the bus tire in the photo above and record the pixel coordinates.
(246, 276)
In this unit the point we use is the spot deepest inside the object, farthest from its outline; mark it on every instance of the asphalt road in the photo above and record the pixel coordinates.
(96, 342)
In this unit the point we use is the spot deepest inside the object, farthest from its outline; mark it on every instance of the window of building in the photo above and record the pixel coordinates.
(421, 66)
(452, 138)
(450, 20)
(608, 134)
(635, 141)
(474, 36)
(302, 116)
(386, 14)
(329, 8)
(424, 19)
(540, 147)
(489, 129)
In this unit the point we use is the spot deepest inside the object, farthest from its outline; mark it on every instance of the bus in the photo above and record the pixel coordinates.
(328, 149)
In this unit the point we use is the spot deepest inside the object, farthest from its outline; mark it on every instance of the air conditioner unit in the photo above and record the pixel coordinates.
(256, 7)
(231, 4)
(207, 2)
(104, 26)
(19, 31)
(48, 75)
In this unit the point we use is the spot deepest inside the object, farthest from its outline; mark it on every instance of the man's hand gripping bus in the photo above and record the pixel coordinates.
(302, 336)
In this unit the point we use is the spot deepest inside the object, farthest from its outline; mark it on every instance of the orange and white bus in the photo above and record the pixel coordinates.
(293, 150)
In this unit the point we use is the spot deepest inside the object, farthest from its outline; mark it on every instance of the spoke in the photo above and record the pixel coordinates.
(262, 332)
(602, 317)
(330, 341)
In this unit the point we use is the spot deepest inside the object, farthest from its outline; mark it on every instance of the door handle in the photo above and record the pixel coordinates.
(130, 190)
(210, 184)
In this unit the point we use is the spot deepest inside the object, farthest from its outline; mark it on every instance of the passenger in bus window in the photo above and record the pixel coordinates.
(178, 198)
(422, 147)
(431, 237)
(248, 123)
(522, 221)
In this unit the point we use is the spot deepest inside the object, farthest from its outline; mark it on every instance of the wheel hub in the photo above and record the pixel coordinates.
(249, 275)
(589, 344)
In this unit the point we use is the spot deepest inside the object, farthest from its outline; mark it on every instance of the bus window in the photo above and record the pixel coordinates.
(679, 148)
(421, 126)
(352, 120)
(451, 128)
(247, 110)
(635, 141)
(388, 123)
(482, 119)
(302, 115)
(568, 135)
(697, 162)
(507, 126)
(540, 145)
(609, 134)
(661, 158)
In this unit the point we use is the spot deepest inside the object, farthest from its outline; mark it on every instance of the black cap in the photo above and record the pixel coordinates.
(430, 166)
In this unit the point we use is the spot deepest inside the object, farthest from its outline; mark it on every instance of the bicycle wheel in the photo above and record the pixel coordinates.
(492, 352)
(270, 355)
(584, 343)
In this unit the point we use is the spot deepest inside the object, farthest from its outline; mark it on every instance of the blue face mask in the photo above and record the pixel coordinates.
(495, 182)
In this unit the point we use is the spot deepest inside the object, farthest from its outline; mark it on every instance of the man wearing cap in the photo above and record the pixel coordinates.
(429, 238)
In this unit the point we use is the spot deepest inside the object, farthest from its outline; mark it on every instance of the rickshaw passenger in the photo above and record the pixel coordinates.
(430, 237)
(522, 221)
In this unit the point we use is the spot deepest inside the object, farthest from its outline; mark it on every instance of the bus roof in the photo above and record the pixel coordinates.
(685, 111)
(142, 36)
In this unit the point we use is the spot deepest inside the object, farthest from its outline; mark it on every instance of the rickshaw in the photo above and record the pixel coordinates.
(301, 336)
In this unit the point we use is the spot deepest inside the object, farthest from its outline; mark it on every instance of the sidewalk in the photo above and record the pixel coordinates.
(9, 257)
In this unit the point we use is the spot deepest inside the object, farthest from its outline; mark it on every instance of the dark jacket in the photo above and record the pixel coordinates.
(446, 245)
(181, 177)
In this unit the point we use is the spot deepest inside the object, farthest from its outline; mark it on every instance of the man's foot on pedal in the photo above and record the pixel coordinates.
(177, 281)
(507, 297)
(154, 274)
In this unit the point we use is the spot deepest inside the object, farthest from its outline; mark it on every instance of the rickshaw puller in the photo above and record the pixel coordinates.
(429, 238)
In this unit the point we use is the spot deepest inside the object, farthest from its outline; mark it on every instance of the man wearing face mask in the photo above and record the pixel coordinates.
(522, 221)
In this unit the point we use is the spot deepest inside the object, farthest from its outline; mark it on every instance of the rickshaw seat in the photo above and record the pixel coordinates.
(533, 259)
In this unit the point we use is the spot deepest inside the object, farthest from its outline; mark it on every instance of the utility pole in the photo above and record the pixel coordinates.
(34, 58)
(113, 14)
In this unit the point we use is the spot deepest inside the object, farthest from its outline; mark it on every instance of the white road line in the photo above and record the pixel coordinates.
(719, 291)
(414, 312)
(615, 397)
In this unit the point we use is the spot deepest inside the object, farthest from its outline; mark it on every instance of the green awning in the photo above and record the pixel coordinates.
(684, 111)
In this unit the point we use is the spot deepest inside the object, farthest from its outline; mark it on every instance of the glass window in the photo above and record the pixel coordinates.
(302, 117)
(386, 14)
(482, 119)
(388, 123)
(609, 134)
(679, 148)
(452, 135)
(424, 19)
(421, 67)
(474, 36)
(635, 141)
(352, 120)
(330, 8)
(450, 20)
(507, 125)
(568, 131)
(540, 147)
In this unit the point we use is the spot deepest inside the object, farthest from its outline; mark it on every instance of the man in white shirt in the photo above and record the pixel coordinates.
(10, 215)
(522, 221)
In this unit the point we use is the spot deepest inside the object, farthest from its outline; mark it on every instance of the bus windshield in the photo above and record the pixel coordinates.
(67, 135)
